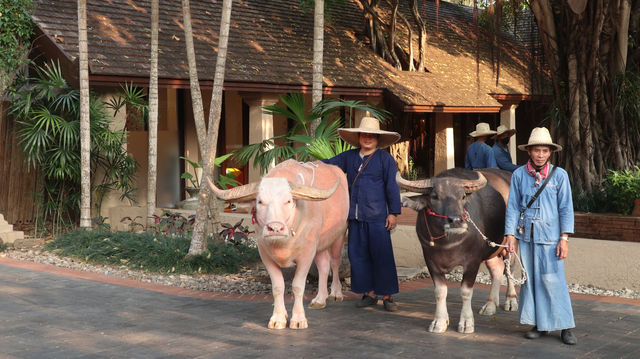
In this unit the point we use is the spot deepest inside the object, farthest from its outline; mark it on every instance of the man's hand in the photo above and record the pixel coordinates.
(511, 245)
(391, 222)
(562, 249)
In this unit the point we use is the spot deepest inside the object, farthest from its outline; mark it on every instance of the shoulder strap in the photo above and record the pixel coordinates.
(362, 168)
(535, 196)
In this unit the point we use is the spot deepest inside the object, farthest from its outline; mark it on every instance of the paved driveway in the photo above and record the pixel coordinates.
(44, 314)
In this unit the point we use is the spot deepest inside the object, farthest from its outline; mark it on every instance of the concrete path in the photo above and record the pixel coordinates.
(48, 312)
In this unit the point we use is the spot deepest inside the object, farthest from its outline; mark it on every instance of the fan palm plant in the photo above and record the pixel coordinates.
(47, 112)
(299, 144)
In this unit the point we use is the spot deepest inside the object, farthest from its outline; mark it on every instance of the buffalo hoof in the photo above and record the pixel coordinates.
(317, 305)
(439, 325)
(511, 304)
(466, 326)
(275, 323)
(335, 298)
(298, 324)
(488, 309)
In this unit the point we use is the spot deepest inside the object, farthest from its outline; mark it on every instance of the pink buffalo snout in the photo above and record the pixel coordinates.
(275, 229)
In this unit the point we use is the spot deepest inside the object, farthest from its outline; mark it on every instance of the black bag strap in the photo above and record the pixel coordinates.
(535, 196)
(362, 169)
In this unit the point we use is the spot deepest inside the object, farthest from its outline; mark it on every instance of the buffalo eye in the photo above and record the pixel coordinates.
(259, 201)
(288, 202)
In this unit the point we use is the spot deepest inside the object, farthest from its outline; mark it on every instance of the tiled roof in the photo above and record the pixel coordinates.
(270, 42)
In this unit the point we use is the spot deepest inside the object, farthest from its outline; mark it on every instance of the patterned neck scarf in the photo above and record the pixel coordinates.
(538, 173)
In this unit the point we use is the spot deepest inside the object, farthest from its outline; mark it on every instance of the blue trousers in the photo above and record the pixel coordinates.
(371, 255)
(544, 297)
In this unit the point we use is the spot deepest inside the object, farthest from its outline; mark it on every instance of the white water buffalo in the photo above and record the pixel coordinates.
(454, 210)
(301, 214)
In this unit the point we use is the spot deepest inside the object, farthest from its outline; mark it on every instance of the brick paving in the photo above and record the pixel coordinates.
(51, 312)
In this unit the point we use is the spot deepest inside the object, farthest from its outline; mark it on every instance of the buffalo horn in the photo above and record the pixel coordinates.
(308, 193)
(244, 193)
(471, 186)
(421, 186)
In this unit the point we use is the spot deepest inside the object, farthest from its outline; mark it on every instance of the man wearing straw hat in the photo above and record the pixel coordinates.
(500, 149)
(479, 154)
(542, 225)
(374, 205)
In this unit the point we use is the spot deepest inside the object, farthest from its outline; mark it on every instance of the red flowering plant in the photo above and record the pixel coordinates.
(236, 234)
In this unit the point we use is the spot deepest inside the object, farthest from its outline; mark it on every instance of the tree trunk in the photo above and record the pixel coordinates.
(152, 173)
(318, 49)
(198, 240)
(411, 66)
(196, 95)
(589, 49)
(422, 36)
(85, 121)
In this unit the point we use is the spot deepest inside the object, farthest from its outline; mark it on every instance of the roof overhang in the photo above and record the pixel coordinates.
(112, 81)
(452, 109)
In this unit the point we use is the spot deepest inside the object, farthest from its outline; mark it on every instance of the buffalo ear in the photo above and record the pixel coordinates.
(417, 203)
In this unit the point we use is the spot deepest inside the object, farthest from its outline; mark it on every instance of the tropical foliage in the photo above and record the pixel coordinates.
(151, 251)
(47, 111)
(299, 144)
(16, 28)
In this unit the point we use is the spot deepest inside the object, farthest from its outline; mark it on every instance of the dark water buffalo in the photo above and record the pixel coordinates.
(455, 209)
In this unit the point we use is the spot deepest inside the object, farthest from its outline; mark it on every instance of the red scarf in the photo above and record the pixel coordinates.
(542, 174)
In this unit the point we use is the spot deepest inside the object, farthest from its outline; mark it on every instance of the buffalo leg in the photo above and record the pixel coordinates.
(511, 299)
(298, 318)
(496, 269)
(466, 324)
(336, 260)
(441, 319)
(279, 317)
(322, 262)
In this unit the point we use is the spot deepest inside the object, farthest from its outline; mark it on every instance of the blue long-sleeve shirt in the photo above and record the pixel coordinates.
(503, 158)
(550, 215)
(479, 155)
(375, 194)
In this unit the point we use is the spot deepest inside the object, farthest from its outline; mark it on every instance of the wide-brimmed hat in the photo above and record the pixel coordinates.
(368, 125)
(504, 130)
(540, 136)
(482, 129)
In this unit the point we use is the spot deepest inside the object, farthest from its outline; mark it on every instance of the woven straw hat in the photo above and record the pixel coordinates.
(540, 136)
(502, 129)
(482, 129)
(368, 125)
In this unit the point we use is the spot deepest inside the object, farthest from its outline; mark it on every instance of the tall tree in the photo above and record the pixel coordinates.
(196, 95)
(85, 124)
(318, 49)
(198, 240)
(586, 46)
(152, 172)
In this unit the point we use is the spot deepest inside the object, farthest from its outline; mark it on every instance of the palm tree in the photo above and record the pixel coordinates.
(196, 95)
(318, 48)
(153, 115)
(321, 144)
(85, 134)
(198, 240)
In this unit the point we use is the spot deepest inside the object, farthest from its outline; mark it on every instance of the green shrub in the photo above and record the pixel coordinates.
(151, 251)
(595, 202)
(622, 188)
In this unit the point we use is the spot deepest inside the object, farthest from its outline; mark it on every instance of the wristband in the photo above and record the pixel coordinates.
(565, 238)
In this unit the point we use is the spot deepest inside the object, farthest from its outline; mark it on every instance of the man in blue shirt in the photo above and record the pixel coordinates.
(479, 154)
(500, 149)
(543, 232)
(374, 205)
